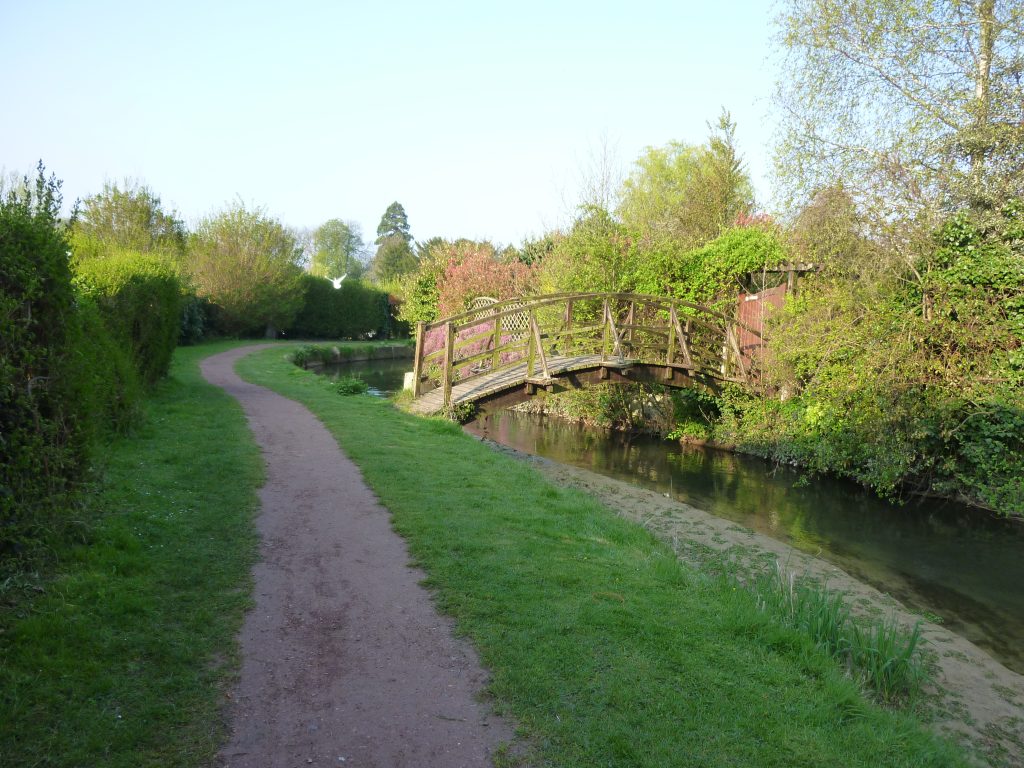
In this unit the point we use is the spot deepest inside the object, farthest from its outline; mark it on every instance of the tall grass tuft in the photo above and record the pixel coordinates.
(882, 653)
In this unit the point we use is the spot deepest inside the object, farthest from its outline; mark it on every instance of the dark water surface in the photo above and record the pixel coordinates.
(384, 377)
(938, 558)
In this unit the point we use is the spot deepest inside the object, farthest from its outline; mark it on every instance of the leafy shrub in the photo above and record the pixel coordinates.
(105, 384)
(713, 272)
(910, 382)
(195, 319)
(354, 310)
(244, 262)
(139, 296)
(313, 353)
(351, 385)
(42, 448)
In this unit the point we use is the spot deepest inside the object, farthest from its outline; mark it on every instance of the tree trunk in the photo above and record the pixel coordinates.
(982, 98)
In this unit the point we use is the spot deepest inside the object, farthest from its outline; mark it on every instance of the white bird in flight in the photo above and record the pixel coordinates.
(336, 281)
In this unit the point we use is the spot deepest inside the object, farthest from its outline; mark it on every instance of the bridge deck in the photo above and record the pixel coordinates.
(507, 378)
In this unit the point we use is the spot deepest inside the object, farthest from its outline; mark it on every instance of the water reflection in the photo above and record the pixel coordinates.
(384, 377)
(943, 558)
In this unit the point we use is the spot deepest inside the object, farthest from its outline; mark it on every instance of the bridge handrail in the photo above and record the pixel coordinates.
(615, 335)
(473, 317)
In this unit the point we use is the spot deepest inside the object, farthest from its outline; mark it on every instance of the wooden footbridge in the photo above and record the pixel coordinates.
(502, 352)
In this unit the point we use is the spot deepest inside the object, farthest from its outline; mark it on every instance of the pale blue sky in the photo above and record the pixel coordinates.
(480, 118)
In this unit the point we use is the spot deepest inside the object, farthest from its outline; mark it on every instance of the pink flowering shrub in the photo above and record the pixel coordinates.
(478, 272)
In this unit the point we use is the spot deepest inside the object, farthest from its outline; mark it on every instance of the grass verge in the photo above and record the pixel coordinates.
(604, 647)
(121, 655)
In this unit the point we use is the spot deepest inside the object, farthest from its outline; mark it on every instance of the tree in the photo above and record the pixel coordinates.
(394, 258)
(246, 263)
(688, 194)
(337, 249)
(915, 106)
(132, 218)
(829, 232)
(394, 223)
(597, 254)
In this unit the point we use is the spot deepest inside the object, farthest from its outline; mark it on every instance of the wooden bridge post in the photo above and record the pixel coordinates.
(568, 327)
(604, 330)
(730, 335)
(417, 365)
(671, 353)
(538, 344)
(449, 362)
(531, 351)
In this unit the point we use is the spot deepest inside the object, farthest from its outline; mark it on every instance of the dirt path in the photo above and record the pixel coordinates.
(345, 661)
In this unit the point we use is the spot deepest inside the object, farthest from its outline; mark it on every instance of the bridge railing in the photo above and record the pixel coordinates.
(616, 326)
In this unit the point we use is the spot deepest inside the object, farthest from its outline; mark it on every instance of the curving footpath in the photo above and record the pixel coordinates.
(345, 660)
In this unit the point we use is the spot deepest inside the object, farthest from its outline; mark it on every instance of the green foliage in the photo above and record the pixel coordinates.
(710, 275)
(131, 218)
(911, 382)
(106, 384)
(421, 296)
(688, 195)
(337, 250)
(350, 385)
(139, 296)
(244, 262)
(597, 254)
(694, 411)
(394, 223)
(915, 105)
(194, 319)
(42, 441)
(352, 311)
(393, 260)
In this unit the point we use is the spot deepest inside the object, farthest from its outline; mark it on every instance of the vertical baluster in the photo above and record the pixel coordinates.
(495, 358)
(568, 328)
(417, 365)
(604, 330)
(670, 354)
(449, 362)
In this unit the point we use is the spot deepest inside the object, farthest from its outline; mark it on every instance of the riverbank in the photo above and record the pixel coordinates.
(601, 643)
(972, 697)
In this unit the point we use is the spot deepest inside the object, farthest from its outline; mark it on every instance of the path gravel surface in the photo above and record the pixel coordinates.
(345, 660)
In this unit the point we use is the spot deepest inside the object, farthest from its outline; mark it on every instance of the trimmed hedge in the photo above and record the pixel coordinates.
(41, 446)
(140, 298)
(352, 311)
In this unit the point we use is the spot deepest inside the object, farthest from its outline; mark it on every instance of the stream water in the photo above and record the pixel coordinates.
(944, 560)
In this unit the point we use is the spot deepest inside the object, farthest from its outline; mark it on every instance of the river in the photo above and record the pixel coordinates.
(949, 562)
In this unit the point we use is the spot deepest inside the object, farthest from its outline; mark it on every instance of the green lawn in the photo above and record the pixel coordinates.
(122, 656)
(603, 647)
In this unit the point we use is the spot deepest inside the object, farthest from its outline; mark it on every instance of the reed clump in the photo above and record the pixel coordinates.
(883, 654)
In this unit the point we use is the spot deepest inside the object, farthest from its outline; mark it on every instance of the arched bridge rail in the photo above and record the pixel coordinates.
(507, 350)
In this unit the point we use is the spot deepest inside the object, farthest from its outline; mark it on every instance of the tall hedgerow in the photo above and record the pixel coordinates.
(353, 310)
(139, 296)
(40, 446)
